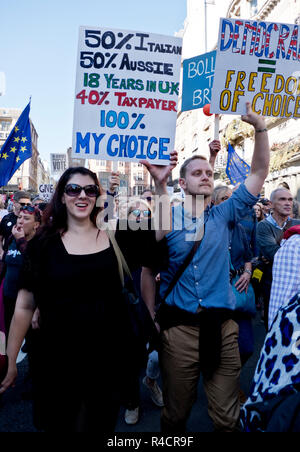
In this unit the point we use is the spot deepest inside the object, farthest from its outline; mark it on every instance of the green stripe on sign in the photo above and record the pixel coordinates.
(272, 62)
(266, 69)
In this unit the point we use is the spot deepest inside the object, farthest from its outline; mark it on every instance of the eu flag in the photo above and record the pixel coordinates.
(237, 169)
(17, 148)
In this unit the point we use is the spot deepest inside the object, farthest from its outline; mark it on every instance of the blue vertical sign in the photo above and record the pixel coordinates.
(198, 75)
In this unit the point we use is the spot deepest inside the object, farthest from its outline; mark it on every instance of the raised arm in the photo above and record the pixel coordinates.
(160, 174)
(261, 155)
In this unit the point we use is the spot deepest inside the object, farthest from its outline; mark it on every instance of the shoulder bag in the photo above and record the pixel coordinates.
(245, 302)
(141, 323)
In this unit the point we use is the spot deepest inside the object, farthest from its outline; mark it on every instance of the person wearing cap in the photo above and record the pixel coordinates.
(266, 205)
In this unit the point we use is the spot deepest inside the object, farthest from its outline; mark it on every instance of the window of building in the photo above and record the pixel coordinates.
(138, 190)
(4, 125)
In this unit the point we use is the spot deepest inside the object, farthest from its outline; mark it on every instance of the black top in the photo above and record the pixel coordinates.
(84, 321)
(6, 225)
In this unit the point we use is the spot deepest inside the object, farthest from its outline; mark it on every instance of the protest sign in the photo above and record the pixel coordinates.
(257, 62)
(46, 191)
(58, 163)
(197, 81)
(126, 94)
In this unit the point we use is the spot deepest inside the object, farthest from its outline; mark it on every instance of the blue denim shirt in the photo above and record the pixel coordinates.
(205, 282)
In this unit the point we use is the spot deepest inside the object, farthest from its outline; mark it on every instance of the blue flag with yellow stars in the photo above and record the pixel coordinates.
(237, 169)
(17, 148)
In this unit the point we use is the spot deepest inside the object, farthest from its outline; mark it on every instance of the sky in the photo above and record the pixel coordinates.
(38, 45)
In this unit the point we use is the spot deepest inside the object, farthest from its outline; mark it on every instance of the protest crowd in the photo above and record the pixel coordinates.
(159, 287)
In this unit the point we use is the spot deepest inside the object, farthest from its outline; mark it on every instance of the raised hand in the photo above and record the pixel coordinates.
(18, 232)
(161, 173)
(214, 148)
(257, 121)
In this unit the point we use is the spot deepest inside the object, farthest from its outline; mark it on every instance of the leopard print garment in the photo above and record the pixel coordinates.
(278, 369)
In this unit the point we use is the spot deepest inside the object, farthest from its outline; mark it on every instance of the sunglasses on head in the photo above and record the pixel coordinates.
(138, 212)
(31, 210)
(92, 191)
(25, 204)
(28, 208)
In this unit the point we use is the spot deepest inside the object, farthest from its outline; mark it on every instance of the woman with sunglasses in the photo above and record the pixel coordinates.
(71, 275)
(139, 210)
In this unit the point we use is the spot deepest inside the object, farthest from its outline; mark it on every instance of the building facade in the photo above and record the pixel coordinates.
(134, 176)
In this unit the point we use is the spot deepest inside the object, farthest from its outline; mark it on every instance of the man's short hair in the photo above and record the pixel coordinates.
(37, 198)
(218, 191)
(21, 194)
(182, 170)
(274, 192)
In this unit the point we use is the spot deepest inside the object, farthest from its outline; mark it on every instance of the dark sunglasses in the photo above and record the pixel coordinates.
(25, 204)
(41, 206)
(137, 212)
(92, 191)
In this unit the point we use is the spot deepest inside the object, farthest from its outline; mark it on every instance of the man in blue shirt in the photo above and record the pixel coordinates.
(202, 301)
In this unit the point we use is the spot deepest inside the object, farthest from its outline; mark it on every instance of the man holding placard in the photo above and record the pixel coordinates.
(198, 333)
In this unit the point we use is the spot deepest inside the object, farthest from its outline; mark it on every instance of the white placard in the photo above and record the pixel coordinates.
(126, 95)
(58, 163)
(257, 62)
(46, 191)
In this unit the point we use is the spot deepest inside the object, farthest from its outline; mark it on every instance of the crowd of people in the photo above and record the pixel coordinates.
(116, 293)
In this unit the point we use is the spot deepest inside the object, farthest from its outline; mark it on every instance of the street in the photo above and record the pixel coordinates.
(15, 407)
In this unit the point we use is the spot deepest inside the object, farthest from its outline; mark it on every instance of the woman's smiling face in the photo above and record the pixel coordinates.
(80, 206)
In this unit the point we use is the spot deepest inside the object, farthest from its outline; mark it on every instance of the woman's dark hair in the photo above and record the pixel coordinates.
(55, 215)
